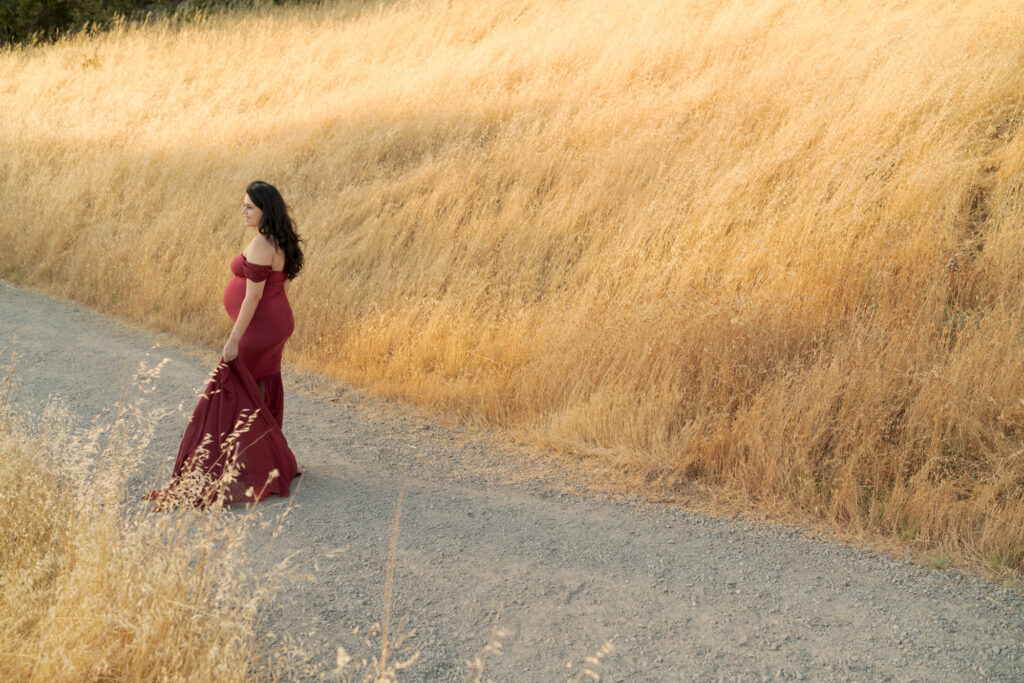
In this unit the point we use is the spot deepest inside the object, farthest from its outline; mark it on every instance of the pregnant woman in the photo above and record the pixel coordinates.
(233, 449)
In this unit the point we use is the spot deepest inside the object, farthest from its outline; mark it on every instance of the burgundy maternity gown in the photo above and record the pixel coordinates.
(244, 389)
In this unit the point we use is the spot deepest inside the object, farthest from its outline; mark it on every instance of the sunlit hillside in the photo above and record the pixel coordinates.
(771, 247)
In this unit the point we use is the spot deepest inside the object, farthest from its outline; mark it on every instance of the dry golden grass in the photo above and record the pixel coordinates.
(770, 246)
(93, 586)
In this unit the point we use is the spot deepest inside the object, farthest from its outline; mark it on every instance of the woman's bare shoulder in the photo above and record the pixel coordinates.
(260, 251)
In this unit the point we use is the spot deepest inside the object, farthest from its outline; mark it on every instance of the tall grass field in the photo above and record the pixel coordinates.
(773, 248)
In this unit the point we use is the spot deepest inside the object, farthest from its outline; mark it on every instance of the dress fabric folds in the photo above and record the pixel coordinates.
(232, 426)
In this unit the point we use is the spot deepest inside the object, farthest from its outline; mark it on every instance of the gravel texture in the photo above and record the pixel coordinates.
(681, 596)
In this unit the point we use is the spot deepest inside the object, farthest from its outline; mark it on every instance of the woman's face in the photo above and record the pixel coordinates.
(251, 213)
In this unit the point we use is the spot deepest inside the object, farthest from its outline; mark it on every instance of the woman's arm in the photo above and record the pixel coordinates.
(262, 253)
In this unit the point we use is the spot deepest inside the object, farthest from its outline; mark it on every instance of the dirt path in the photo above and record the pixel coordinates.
(681, 596)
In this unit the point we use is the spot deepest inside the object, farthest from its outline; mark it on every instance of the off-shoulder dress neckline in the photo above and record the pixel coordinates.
(242, 254)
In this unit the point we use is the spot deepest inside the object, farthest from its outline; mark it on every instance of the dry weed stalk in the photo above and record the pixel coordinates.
(493, 646)
(769, 246)
(588, 670)
(385, 670)
(389, 581)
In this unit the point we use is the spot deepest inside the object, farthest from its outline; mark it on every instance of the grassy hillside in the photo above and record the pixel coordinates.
(769, 246)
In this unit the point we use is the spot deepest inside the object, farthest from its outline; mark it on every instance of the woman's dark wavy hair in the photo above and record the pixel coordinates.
(276, 225)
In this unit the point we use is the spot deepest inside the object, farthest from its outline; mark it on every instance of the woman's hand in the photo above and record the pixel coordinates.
(230, 349)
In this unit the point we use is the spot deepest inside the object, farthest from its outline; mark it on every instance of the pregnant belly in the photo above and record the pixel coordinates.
(273, 308)
(234, 294)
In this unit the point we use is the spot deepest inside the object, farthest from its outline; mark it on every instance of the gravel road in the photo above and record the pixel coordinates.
(681, 596)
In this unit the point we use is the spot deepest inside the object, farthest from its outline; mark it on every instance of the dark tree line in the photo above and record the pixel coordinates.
(41, 20)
